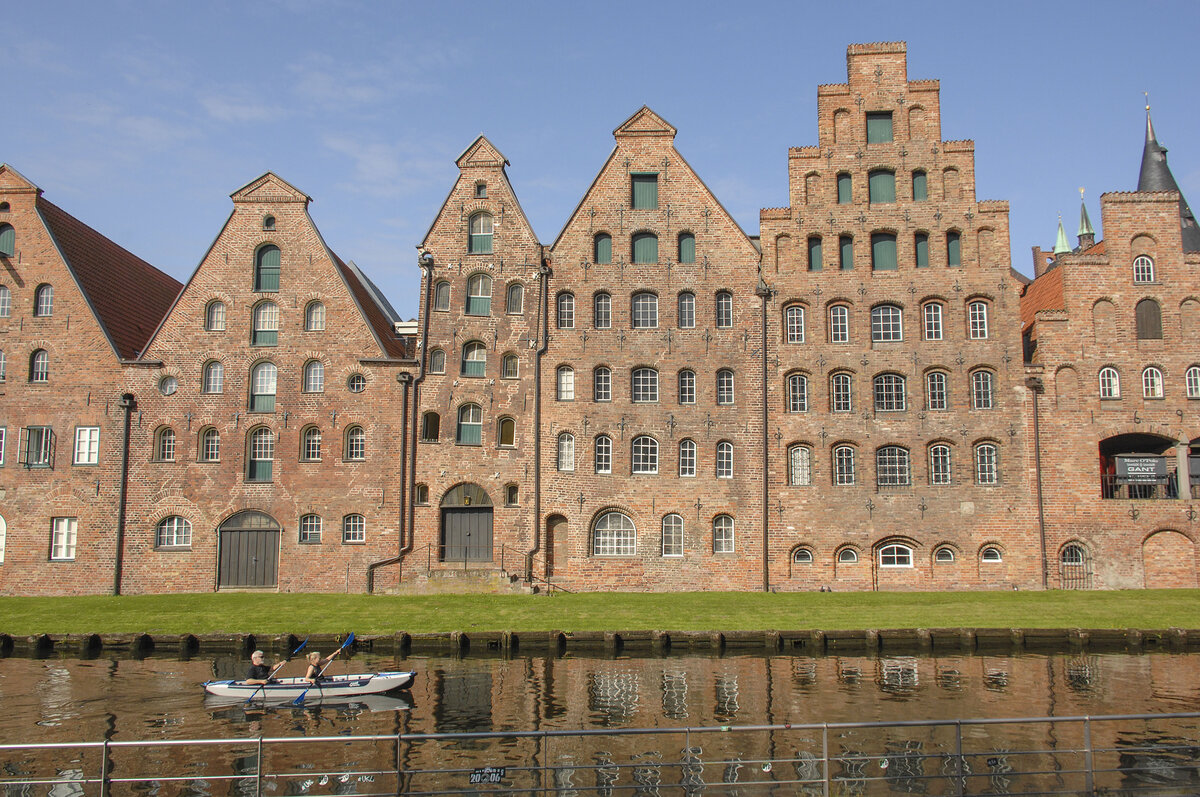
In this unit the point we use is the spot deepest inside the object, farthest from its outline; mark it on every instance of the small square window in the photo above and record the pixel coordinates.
(481, 190)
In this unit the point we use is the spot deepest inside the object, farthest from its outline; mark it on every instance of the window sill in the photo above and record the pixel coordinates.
(354, 542)
(309, 542)
(71, 559)
(172, 548)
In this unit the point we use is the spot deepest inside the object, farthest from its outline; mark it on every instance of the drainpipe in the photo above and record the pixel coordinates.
(405, 380)
(1035, 385)
(543, 341)
(127, 403)
(764, 293)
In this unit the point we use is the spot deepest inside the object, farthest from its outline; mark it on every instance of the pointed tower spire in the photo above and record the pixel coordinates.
(1156, 176)
(1086, 235)
(1061, 247)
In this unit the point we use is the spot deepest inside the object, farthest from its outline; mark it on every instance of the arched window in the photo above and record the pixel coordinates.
(847, 556)
(479, 295)
(260, 455)
(687, 458)
(672, 535)
(474, 359)
(687, 386)
(977, 316)
(164, 445)
(1149, 320)
(267, 265)
(5, 301)
(1110, 383)
(839, 324)
(3, 377)
(815, 255)
(506, 433)
(724, 310)
(566, 311)
(920, 186)
(8, 240)
(937, 397)
(943, 556)
(602, 383)
(566, 452)
(844, 189)
(687, 310)
(889, 393)
(441, 297)
(213, 380)
(846, 252)
(892, 467)
(645, 247)
(602, 248)
(173, 532)
(799, 466)
(687, 247)
(724, 461)
(881, 186)
(262, 387)
(354, 530)
(840, 399)
(887, 323)
(314, 317)
(437, 362)
(724, 386)
(310, 529)
(991, 554)
(987, 464)
(355, 444)
(470, 425)
(1073, 555)
(843, 466)
(802, 556)
(310, 444)
(933, 320)
(645, 454)
(644, 313)
(883, 251)
(722, 534)
(953, 249)
(509, 366)
(512, 495)
(210, 445)
(1143, 269)
(269, 223)
(982, 397)
(566, 383)
(514, 303)
(895, 555)
(614, 535)
(602, 310)
(480, 240)
(1192, 381)
(921, 249)
(266, 325)
(214, 316)
(644, 385)
(431, 427)
(940, 469)
(797, 393)
(793, 324)
(39, 366)
(314, 376)
(1152, 383)
(43, 301)
(603, 454)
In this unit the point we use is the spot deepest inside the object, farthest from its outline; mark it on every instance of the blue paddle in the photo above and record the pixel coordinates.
(271, 674)
(299, 701)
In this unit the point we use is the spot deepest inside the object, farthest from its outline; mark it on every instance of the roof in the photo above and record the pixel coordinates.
(1155, 175)
(128, 296)
(1044, 293)
(377, 312)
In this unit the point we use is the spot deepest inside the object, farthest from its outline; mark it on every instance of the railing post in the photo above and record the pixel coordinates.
(825, 756)
(104, 769)
(1089, 783)
(258, 775)
(399, 780)
(958, 759)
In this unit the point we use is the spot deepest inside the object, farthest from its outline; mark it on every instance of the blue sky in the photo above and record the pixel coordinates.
(140, 118)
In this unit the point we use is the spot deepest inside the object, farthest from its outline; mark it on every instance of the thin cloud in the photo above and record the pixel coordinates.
(239, 108)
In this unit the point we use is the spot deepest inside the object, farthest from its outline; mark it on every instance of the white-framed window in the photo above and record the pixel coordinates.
(672, 535)
(514, 303)
(940, 469)
(724, 310)
(724, 386)
(937, 396)
(895, 555)
(310, 444)
(603, 454)
(480, 240)
(356, 444)
(797, 393)
(509, 366)
(1143, 269)
(566, 310)
(799, 466)
(441, 297)
(839, 393)
(310, 529)
(1110, 383)
(687, 386)
(724, 461)
(645, 454)
(802, 556)
(260, 455)
(213, 380)
(687, 458)
(889, 393)
(892, 467)
(474, 359)
(645, 385)
(63, 533)
(214, 316)
(602, 383)
(1192, 381)
(943, 556)
(262, 387)
(602, 310)
(1152, 383)
(566, 452)
(266, 325)
(887, 324)
(164, 445)
(722, 534)
(210, 445)
(3, 367)
(687, 310)
(933, 321)
(839, 324)
(843, 466)
(977, 315)
(847, 556)
(314, 317)
(314, 376)
(437, 362)
(39, 366)
(644, 312)
(479, 295)
(614, 535)
(43, 301)
(506, 433)
(39, 447)
(982, 396)
(991, 554)
(173, 532)
(5, 302)
(793, 323)
(3, 451)
(470, 425)
(987, 464)
(354, 529)
(87, 445)
(566, 383)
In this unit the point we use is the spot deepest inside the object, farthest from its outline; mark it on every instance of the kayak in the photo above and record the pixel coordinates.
(374, 702)
(289, 689)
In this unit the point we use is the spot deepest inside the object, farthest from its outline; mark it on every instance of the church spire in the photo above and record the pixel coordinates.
(1156, 176)
(1061, 247)
(1086, 235)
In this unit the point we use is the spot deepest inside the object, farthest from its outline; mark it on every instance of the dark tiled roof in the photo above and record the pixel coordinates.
(377, 312)
(128, 295)
(1044, 293)
(1155, 175)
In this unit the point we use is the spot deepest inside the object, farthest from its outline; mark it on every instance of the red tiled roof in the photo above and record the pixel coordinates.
(1044, 293)
(392, 345)
(128, 295)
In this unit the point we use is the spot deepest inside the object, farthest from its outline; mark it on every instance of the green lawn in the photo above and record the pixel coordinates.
(694, 611)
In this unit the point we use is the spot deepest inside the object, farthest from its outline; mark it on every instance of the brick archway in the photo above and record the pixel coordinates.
(1168, 561)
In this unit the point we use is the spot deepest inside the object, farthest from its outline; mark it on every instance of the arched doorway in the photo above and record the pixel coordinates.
(556, 544)
(466, 525)
(248, 551)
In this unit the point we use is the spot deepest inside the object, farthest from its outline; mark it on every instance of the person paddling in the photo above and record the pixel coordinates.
(316, 665)
(258, 672)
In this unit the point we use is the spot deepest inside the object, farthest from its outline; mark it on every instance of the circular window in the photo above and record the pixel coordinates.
(168, 385)
(357, 383)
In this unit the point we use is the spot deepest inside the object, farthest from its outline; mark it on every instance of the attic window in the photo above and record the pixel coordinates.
(879, 127)
(269, 223)
(481, 190)
(4, 208)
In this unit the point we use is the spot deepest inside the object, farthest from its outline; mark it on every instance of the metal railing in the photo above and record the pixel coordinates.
(1111, 488)
(1129, 754)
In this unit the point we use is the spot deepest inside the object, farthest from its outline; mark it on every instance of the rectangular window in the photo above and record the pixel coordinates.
(687, 458)
(603, 454)
(879, 127)
(933, 321)
(953, 249)
(814, 254)
(87, 445)
(39, 447)
(839, 324)
(920, 187)
(687, 387)
(881, 187)
(839, 393)
(3, 438)
(979, 321)
(724, 310)
(936, 398)
(645, 191)
(602, 385)
(687, 311)
(845, 253)
(939, 465)
(310, 529)
(566, 452)
(844, 193)
(602, 311)
(63, 533)
(672, 536)
(921, 249)
(883, 251)
(354, 529)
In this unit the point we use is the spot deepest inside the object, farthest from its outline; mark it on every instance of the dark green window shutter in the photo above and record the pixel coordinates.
(953, 250)
(645, 248)
(603, 247)
(882, 187)
(266, 271)
(687, 248)
(883, 251)
(845, 195)
(814, 254)
(920, 187)
(846, 253)
(879, 127)
(260, 470)
(261, 402)
(645, 191)
(8, 240)
(921, 246)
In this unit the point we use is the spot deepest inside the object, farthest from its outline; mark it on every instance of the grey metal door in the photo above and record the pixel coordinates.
(467, 534)
(248, 551)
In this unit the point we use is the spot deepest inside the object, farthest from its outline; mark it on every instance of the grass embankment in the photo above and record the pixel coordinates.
(695, 611)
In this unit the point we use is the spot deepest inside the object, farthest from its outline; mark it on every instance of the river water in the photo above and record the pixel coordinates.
(159, 699)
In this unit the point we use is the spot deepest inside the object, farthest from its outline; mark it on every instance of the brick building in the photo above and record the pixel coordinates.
(864, 396)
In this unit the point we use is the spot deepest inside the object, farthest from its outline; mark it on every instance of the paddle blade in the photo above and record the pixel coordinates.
(299, 701)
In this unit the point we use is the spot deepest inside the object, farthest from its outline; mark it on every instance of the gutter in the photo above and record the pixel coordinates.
(543, 343)
(764, 293)
(128, 404)
(1036, 386)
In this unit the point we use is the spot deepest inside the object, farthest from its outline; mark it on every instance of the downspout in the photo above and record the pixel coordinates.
(764, 293)
(543, 342)
(1036, 386)
(128, 404)
(405, 380)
